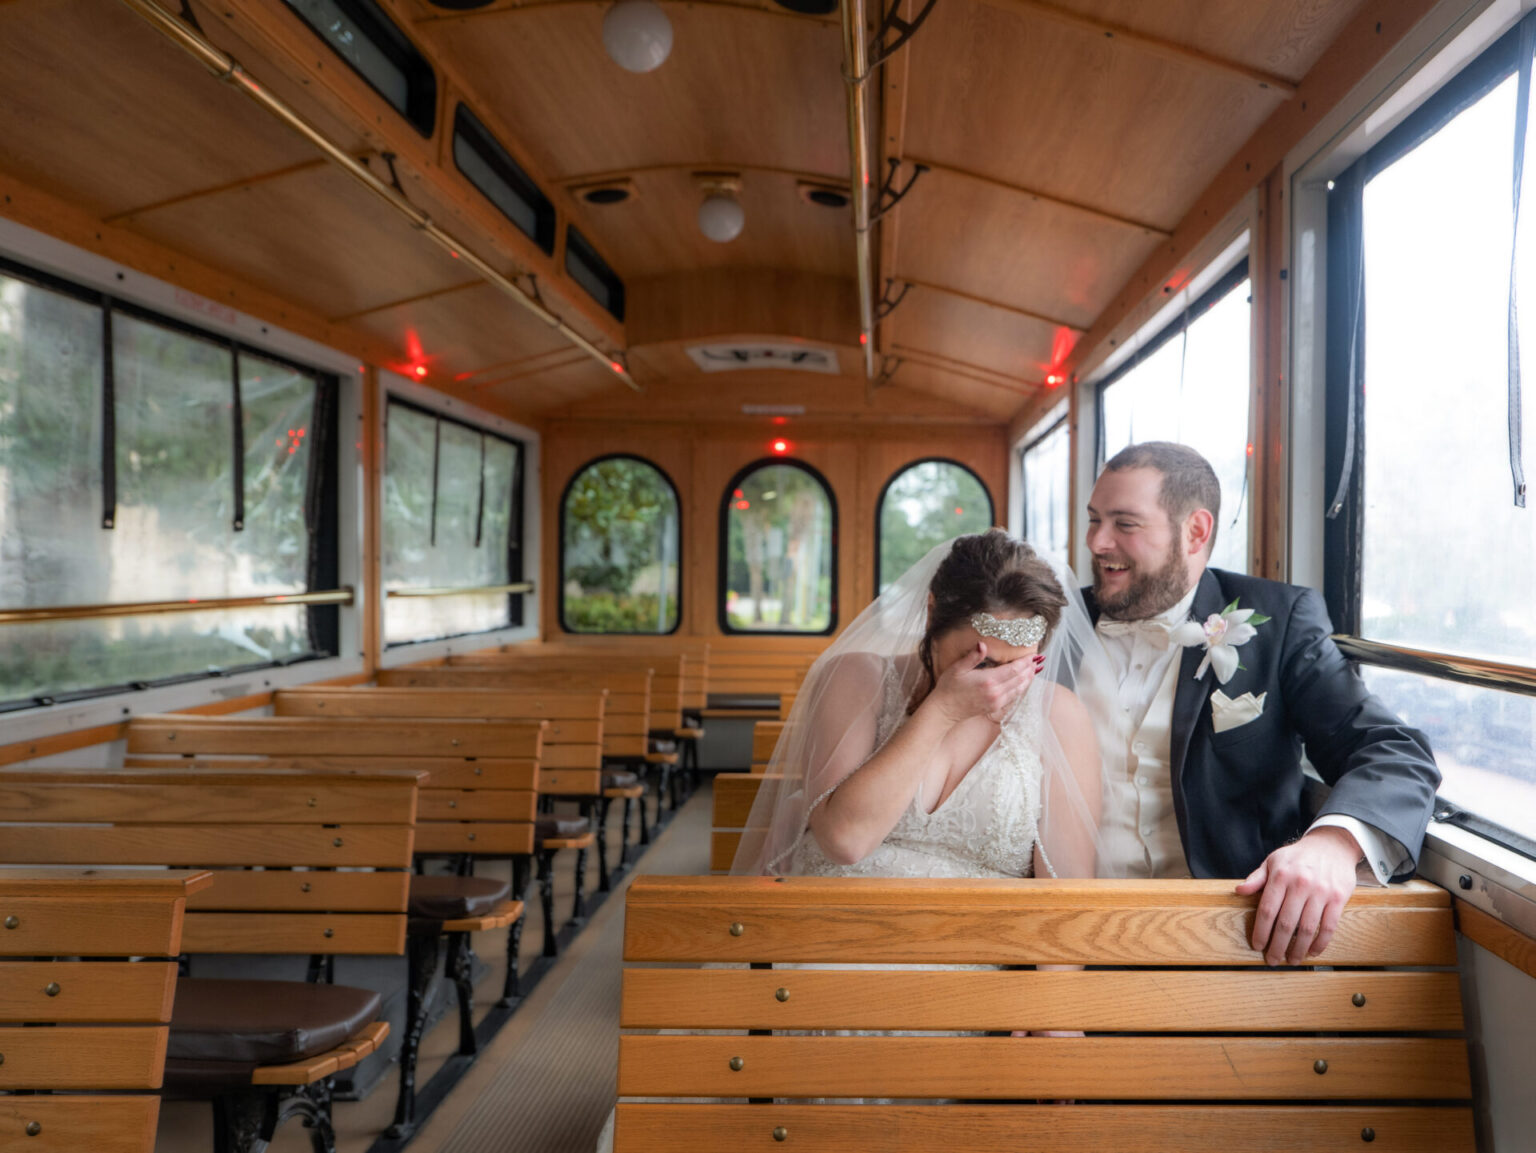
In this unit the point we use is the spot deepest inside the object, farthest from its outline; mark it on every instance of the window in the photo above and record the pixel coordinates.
(213, 478)
(1429, 558)
(619, 527)
(1046, 478)
(588, 269)
(365, 37)
(452, 520)
(925, 504)
(491, 169)
(1190, 384)
(778, 559)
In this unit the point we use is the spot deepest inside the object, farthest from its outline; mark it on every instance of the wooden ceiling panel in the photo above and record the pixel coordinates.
(1281, 36)
(1033, 103)
(102, 111)
(1018, 250)
(569, 382)
(740, 86)
(997, 400)
(656, 231)
(960, 329)
(314, 237)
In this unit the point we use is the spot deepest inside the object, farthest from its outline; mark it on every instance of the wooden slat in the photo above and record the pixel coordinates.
(616, 681)
(76, 1123)
(361, 933)
(1005, 922)
(722, 850)
(584, 841)
(765, 735)
(75, 882)
(304, 890)
(1497, 937)
(104, 993)
(653, 1128)
(504, 914)
(440, 772)
(511, 838)
(324, 736)
(425, 702)
(308, 803)
(312, 1069)
(734, 795)
(83, 1057)
(578, 756)
(1008, 1068)
(570, 782)
(54, 927)
(478, 805)
(1184, 1001)
(383, 846)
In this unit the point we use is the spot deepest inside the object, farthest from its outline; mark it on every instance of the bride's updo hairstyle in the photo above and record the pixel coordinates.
(989, 572)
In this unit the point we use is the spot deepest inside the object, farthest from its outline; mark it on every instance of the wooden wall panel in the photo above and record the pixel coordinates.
(702, 458)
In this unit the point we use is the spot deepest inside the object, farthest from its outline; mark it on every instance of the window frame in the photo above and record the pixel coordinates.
(584, 251)
(478, 136)
(1062, 421)
(565, 493)
(723, 554)
(902, 471)
(1343, 536)
(516, 529)
(420, 76)
(323, 561)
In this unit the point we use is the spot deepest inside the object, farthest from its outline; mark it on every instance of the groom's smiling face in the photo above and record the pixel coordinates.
(1140, 558)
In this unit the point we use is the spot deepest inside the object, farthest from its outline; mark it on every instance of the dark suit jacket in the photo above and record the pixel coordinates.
(1238, 794)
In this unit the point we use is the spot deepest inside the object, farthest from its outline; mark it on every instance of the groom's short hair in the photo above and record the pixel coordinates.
(1189, 481)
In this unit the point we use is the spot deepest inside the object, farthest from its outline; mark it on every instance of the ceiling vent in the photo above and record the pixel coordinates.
(734, 356)
(607, 192)
(823, 195)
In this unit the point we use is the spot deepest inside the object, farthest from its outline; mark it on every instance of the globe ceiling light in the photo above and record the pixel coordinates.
(721, 217)
(637, 35)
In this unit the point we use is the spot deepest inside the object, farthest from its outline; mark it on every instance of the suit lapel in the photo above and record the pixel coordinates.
(1189, 694)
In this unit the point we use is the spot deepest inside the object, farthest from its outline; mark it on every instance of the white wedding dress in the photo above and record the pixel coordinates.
(986, 827)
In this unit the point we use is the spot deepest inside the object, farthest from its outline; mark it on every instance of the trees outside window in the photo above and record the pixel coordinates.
(620, 526)
(778, 563)
(925, 504)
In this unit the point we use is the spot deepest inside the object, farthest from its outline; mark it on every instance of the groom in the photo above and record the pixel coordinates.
(1213, 784)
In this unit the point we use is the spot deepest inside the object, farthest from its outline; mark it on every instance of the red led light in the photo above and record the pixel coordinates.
(421, 370)
(616, 366)
(1250, 450)
(737, 494)
(1055, 380)
(781, 420)
(863, 338)
(959, 511)
(781, 446)
(743, 504)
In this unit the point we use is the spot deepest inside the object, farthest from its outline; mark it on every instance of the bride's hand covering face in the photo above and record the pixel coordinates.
(911, 686)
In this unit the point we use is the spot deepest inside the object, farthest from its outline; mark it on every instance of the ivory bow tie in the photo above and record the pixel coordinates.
(1153, 631)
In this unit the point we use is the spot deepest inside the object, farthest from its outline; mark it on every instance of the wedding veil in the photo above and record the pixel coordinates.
(872, 668)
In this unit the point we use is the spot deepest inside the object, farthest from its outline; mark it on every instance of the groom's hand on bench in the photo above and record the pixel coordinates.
(1306, 885)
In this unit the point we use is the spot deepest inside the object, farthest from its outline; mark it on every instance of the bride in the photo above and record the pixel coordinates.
(949, 732)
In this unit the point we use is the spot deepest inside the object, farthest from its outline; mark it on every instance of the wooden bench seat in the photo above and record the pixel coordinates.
(87, 1027)
(301, 862)
(1193, 1044)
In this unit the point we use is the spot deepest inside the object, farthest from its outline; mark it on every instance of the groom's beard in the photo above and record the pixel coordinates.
(1147, 593)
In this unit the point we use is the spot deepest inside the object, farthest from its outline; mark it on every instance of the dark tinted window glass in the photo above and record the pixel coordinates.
(488, 166)
(361, 34)
(587, 269)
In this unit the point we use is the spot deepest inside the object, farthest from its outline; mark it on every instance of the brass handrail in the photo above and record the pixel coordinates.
(1467, 670)
(26, 616)
(518, 587)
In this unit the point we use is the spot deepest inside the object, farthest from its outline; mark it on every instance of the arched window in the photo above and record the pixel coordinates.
(778, 550)
(927, 502)
(620, 522)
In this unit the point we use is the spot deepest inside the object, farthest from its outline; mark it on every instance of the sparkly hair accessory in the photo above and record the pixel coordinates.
(1024, 631)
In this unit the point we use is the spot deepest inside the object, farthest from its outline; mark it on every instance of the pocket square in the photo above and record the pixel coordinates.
(1229, 713)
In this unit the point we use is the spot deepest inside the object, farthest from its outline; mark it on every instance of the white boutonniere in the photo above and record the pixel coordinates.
(1220, 633)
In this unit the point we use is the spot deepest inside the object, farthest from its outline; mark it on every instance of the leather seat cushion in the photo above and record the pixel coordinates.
(448, 898)
(550, 826)
(619, 779)
(235, 1022)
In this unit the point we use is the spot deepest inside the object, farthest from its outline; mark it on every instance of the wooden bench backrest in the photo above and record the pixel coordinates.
(571, 757)
(274, 839)
(734, 794)
(1236, 1055)
(693, 650)
(626, 723)
(765, 735)
(667, 672)
(488, 813)
(105, 1023)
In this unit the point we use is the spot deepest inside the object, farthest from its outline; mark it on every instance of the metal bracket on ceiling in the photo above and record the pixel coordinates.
(888, 366)
(887, 303)
(191, 17)
(533, 282)
(394, 177)
(879, 50)
(890, 196)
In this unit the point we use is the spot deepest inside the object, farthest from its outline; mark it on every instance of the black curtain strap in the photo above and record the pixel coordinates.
(239, 438)
(108, 421)
(1350, 188)
(480, 500)
(437, 456)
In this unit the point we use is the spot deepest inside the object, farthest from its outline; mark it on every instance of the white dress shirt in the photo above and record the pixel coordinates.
(1139, 827)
